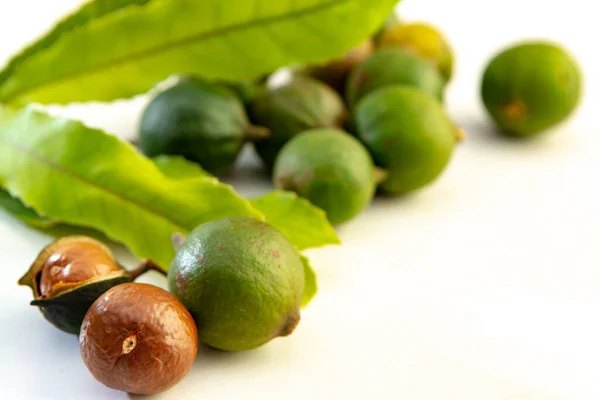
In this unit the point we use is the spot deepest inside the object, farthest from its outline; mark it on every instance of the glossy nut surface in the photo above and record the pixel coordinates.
(138, 338)
(72, 261)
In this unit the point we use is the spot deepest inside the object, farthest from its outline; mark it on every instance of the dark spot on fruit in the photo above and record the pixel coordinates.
(390, 142)
(201, 259)
(221, 248)
(181, 282)
(515, 110)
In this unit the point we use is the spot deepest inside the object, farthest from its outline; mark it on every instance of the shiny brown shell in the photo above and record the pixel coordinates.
(138, 338)
(68, 263)
(74, 261)
(68, 276)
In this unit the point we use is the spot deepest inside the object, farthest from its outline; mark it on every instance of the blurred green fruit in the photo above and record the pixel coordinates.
(531, 87)
(330, 168)
(409, 134)
(393, 66)
(201, 121)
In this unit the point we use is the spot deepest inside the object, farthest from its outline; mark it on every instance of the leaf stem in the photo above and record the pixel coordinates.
(460, 134)
(145, 266)
(255, 133)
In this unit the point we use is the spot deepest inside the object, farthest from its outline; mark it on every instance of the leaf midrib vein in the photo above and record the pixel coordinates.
(57, 167)
(181, 43)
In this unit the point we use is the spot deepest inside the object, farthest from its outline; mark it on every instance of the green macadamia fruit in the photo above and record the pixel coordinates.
(529, 88)
(242, 281)
(409, 134)
(201, 121)
(331, 169)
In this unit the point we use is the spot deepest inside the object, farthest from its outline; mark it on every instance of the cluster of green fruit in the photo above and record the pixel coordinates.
(387, 92)
(401, 138)
(235, 283)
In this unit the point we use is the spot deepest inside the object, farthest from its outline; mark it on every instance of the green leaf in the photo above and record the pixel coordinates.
(87, 12)
(87, 178)
(26, 214)
(123, 50)
(177, 167)
(310, 281)
(304, 224)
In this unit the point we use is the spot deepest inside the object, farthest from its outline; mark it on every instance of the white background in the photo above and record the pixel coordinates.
(482, 287)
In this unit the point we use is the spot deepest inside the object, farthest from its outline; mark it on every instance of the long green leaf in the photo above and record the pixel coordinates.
(304, 224)
(177, 167)
(26, 214)
(87, 178)
(108, 55)
(85, 14)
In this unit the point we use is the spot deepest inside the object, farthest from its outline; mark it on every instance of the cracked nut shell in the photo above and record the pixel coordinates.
(68, 276)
